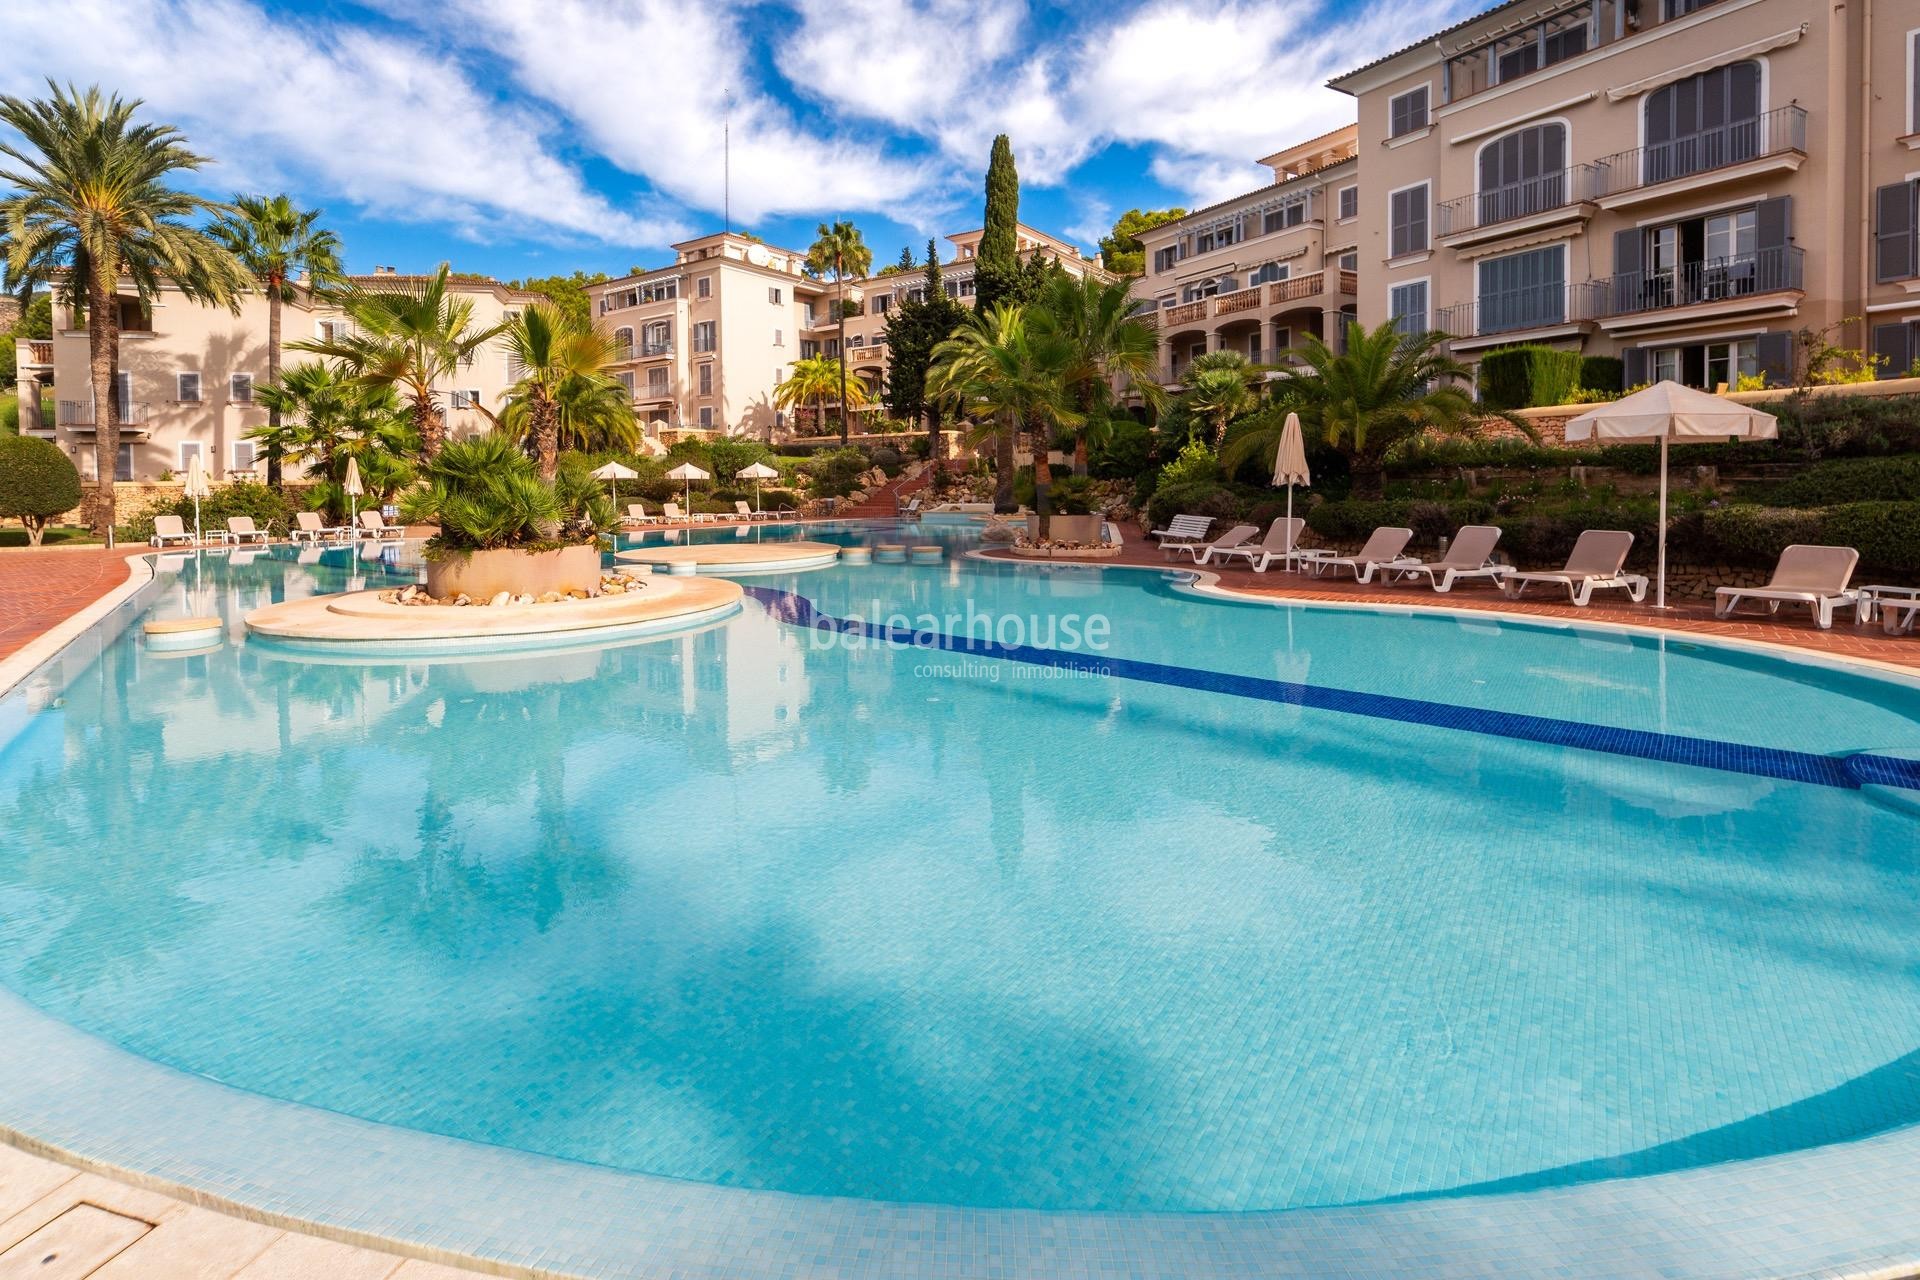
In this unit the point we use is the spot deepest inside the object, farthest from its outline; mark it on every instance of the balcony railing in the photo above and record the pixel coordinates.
(37, 351)
(79, 413)
(1239, 300)
(1186, 311)
(1771, 133)
(1513, 310)
(1713, 280)
(1549, 191)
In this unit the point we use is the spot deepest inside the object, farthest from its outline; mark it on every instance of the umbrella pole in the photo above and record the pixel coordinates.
(1660, 592)
(1290, 560)
(196, 520)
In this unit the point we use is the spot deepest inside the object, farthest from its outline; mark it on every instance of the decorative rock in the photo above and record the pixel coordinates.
(549, 597)
(500, 598)
(998, 533)
(463, 599)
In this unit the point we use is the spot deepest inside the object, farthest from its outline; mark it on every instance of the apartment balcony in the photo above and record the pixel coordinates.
(33, 354)
(1313, 285)
(1239, 300)
(79, 415)
(1549, 200)
(1185, 313)
(1772, 142)
(1520, 315)
(1770, 281)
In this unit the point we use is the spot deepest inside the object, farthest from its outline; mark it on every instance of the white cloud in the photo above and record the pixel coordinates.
(375, 119)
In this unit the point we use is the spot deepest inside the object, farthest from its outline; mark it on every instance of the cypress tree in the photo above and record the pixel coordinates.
(999, 252)
(914, 329)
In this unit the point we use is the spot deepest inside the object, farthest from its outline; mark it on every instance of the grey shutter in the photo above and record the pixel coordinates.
(1635, 360)
(1773, 352)
(1629, 251)
(1894, 344)
(1773, 237)
(1893, 229)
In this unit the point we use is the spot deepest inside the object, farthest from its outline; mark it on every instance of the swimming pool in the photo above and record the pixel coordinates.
(1212, 907)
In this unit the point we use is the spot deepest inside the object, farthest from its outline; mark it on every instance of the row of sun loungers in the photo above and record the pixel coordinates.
(670, 513)
(307, 527)
(1815, 576)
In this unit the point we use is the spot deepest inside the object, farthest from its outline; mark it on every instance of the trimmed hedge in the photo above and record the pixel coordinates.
(37, 483)
(1603, 373)
(1523, 377)
(1850, 480)
(1886, 534)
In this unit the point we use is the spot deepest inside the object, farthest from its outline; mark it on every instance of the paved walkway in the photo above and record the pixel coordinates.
(40, 586)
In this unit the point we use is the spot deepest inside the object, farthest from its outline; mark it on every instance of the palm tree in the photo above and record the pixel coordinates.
(1014, 372)
(590, 415)
(1220, 386)
(818, 379)
(1105, 342)
(323, 415)
(277, 244)
(408, 335)
(554, 350)
(839, 249)
(92, 201)
(1387, 387)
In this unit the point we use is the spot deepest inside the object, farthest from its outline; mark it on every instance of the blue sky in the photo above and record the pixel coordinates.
(520, 137)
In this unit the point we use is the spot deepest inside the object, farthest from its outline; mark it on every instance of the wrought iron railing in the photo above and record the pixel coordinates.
(1712, 280)
(1775, 132)
(1557, 190)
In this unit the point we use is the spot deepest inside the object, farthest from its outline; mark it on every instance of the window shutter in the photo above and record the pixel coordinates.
(1773, 352)
(1635, 359)
(1894, 344)
(1629, 249)
(1894, 235)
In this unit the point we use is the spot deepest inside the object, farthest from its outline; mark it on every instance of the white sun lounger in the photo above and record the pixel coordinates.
(1383, 547)
(637, 514)
(673, 514)
(1225, 542)
(1595, 564)
(1282, 534)
(1182, 530)
(1815, 576)
(242, 529)
(168, 529)
(747, 512)
(1469, 555)
(372, 523)
(309, 527)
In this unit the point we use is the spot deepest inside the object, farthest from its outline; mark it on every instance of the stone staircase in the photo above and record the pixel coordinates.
(886, 501)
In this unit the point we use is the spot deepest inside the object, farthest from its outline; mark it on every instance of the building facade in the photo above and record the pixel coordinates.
(187, 376)
(703, 343)
(1256, 273)
(1686, 184)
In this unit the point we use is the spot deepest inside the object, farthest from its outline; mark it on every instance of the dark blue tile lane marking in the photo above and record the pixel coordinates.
(1849, 772)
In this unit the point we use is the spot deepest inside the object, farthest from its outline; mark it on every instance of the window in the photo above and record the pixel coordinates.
(656, 383)
(1523, 290)
(1268, 273)
(776, 295)
(1725, 255)
(779, 339)
(1703, 122)
(465, 399)
(706, 379)
(1217, 237)
(1291, 214)
(1728, 362)
(1407, 112)
(881, 303)
(244, 455)
(1665, 364)
(622, 341)
(1206, 289)
(1349, 203)
(1407, 221)
(809, 349)
(1896, 231)
(122, 461)
(1350, 261)
(123, 394)
(1522, 173)
(1672, 9)
(1282, 338)
(1913, 82)
(656, 339)
(704, 334)
(1710, 364)
(188, 385)
(627, 381)
(1408, 303)
(665, 290)
(1166, 259)
(189, 450)
(706, 416)
(334, 330)
(703, 287)
(1897, 347)
(240, 388)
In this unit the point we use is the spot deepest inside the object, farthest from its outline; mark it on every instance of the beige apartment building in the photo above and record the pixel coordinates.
(704, 342)
(188, 372)
(1683, 183)
(1256, 273)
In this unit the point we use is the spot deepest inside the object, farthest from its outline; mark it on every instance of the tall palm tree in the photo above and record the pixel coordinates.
(1220, 386)
(818, 379)
(277, 244)
(409, 335)
(1105, 343)
(839, 249)
(1387, 387)
(1014, 372)
(555, 350)
(92, 201)
(591, 414)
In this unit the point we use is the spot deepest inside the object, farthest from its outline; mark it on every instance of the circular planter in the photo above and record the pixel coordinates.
(485, 574)
(928, 555)
(1066, 528)
(889, 553)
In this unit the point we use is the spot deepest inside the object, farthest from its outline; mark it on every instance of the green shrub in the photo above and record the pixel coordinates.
(835, 473)
(269, 508)
(1354, 519)
(1125, 454)
(888, 459)
(1432, 521)
(1194, 464)
(1746, 534)
(37, 483)
(1523, 377)
(1851, 480)
(1886, 534)
(1071, 495)
(1603, 373)
(1543, 539)
(1194, 497)
(485, 494)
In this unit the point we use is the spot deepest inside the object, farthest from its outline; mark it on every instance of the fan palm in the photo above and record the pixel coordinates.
(323, 415)
(1386, 388)
(1105, 343)
(1220, 386)
(408, 335)
(591, 415)
(818, 379)
(277, 244)
(1012, 371)
(553, 351)
(839, 249)
(92, 200)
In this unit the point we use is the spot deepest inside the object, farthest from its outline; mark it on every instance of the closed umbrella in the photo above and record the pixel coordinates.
(197, 488)
(614, 473)
(757, 472)
(352, 487)
(1290, 460)
(688, 473)
(1667, 411)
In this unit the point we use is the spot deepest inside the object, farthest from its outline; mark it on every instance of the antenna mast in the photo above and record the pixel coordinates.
(726, 167)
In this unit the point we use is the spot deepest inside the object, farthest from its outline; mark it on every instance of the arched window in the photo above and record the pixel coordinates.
(1703, 122)
(1522, 173)
(1269, 273)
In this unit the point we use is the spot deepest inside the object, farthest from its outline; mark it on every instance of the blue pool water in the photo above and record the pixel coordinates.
(1240, 908)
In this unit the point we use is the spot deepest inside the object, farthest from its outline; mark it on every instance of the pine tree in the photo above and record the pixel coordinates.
(906, 258)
